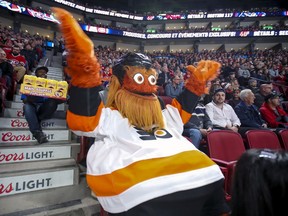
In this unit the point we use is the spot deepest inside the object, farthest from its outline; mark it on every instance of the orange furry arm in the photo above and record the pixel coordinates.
(199, 76)
(82, 65)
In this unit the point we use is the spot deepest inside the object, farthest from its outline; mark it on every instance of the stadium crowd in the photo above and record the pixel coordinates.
(262, 71)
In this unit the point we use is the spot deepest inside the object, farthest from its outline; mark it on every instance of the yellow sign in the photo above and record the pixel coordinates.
(37, 86)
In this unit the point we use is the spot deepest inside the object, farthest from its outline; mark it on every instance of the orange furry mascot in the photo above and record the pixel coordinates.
(140, 164)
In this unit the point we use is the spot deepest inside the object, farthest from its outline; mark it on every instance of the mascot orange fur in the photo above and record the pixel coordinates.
(140, 164)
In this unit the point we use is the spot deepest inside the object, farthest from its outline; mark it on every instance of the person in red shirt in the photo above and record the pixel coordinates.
(18, 62)
(272, 112)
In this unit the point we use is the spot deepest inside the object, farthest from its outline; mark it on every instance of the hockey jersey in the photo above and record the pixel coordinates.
(127, 166)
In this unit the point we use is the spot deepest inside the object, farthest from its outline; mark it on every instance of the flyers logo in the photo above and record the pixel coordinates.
(158, 134)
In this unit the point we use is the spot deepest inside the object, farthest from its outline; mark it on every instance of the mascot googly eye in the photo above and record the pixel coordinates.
(152, 80)
(138, 78)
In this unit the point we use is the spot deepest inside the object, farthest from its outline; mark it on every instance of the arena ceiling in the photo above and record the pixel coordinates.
(142, 6)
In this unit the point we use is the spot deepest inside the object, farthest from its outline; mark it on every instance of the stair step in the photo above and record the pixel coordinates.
(23, 182)
(13, 169)
(20, 154)
(8, 136)
(18, 113)
(72, 200)
(17, 105)
(22, 123)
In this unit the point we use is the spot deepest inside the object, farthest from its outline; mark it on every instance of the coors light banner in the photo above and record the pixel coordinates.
(22, 123)
(22, 136)
(14, 155)
(27, 183)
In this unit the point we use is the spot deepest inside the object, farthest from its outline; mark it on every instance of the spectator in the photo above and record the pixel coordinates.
(18, 62)
(164, 76)
(222, 114)
(228, 91)
(38, 108)
(30, 56)
(175, 87)
(252, 84)
(260, 183)
(236, 99)
(230, 77)
(272, 113)
(198, 126)
(6, 69)
(248, 113)
(273, 71)
(265, 89)
(208, 97)
(243, 74)
(56, 46)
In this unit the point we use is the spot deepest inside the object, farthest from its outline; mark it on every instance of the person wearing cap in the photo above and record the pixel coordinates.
(140, 164)
(272, 112)
(248, 113)
(222, 114)
(264, 90)
(38, 108)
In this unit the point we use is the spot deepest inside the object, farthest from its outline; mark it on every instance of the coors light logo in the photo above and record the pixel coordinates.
(17, 157)
(23, 186)
(39, 181)
(22, 123)
(9, 136)
(20, 113)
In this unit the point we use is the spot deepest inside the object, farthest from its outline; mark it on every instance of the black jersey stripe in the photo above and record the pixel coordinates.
(84, 101)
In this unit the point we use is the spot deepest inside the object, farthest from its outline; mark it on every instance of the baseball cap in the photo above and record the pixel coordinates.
(218, 90)
(272, 96)
(42, 68)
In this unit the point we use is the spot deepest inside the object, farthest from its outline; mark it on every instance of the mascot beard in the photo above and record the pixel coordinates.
(139, 104)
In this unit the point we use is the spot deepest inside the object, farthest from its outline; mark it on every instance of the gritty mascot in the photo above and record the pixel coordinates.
(140, 164)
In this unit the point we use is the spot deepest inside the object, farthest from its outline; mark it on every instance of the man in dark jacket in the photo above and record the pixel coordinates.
(248, 113)
(38, 108)
(264, 90)
(198, 126)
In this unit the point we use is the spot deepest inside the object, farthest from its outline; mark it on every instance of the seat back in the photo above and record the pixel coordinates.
(283, 136)
(262, 139)
(225, 145)
(167, 100)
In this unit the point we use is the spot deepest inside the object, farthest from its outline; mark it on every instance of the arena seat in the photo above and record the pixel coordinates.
(166, 99)
(283, 137)
(225, 148)
(262, 139)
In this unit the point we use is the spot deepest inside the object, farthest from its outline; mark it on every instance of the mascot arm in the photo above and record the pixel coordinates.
(195, 86)
(82, 66)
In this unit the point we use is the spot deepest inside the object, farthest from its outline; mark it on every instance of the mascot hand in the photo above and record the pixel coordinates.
(200, 75)
(82, 65)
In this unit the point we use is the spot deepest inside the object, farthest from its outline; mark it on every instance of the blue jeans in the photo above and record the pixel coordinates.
(195, 135)
(36, 112)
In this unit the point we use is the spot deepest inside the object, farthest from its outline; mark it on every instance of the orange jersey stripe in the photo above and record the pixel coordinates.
(185, 116)
(120, 180)
(84, 123)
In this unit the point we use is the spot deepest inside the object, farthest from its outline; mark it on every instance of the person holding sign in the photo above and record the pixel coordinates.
(38, 108)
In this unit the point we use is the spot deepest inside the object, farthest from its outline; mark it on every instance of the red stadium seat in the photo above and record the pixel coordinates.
(283, 137)
(166, 99)
(225, 148)
(262, 139)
